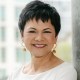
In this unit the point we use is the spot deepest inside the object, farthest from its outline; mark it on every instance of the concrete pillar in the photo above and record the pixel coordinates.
(76, 34)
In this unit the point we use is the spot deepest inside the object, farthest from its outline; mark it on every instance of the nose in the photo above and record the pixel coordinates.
(39, 37)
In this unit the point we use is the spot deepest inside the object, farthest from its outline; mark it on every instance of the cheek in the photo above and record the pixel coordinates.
(26, 40)
(51, 39)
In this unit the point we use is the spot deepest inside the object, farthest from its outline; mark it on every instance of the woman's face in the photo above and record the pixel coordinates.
(38, 37)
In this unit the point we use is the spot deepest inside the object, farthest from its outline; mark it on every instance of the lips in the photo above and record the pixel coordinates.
(39, 45)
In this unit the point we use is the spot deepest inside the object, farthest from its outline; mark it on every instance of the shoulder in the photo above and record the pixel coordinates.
(67, 72)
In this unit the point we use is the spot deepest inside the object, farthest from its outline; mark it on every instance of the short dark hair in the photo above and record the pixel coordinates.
(40, 10)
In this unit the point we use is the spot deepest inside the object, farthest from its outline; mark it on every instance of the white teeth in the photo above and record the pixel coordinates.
(39, 45)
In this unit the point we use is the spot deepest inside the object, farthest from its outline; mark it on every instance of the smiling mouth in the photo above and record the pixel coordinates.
(39, 45)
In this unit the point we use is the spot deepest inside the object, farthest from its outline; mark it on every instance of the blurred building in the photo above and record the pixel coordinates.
(11, 54)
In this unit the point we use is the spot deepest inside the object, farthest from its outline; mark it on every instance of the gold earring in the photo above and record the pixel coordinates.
(53, 49)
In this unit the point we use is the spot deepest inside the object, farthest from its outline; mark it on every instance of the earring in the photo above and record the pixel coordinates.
(53, 49)
(23, 45)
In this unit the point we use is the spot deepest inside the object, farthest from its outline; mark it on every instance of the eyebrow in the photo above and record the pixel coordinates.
(32, 28)
(47, 28)
(43, 29)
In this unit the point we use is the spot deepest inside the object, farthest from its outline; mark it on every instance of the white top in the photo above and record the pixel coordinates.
(64, 71)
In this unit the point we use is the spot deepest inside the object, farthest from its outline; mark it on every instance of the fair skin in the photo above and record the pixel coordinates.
(39, 38)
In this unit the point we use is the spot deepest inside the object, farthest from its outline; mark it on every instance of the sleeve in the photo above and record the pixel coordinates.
(68, 74)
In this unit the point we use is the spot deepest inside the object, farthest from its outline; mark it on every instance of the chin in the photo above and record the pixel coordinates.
(38, 55)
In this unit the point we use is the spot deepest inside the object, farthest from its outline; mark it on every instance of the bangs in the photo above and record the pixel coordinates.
(44, 15)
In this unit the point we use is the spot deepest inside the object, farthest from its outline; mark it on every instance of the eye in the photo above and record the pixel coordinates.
(31, 31)
(47, 31)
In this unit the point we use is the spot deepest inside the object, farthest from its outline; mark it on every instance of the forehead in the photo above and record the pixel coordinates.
(39, 24)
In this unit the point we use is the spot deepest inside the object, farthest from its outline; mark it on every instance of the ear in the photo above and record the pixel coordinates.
(56, 39)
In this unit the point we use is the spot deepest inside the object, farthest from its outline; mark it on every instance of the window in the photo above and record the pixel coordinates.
(17, 12)
(2, 33)
(17, 34)
(2, 54)
(3, 74)
(23, 0)
(22, 56)
(2, 13)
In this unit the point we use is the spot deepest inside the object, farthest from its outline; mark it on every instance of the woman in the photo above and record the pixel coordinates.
(39, 24)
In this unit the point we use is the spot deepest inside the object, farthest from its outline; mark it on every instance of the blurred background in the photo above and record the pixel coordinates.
(11, 53)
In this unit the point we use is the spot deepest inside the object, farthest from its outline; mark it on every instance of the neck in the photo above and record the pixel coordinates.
(42, 63)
